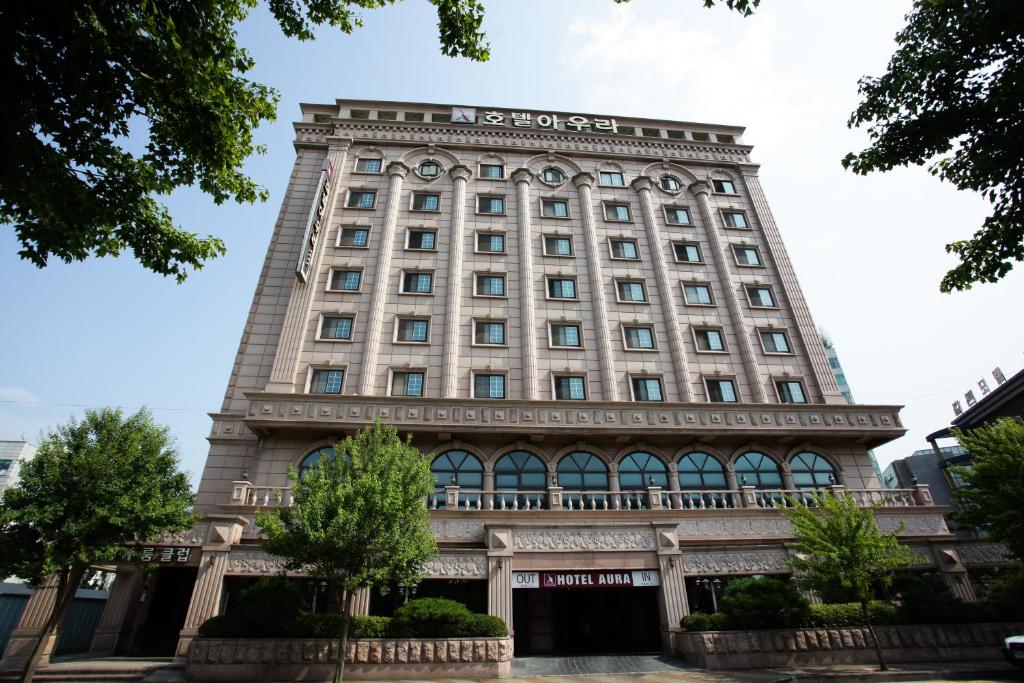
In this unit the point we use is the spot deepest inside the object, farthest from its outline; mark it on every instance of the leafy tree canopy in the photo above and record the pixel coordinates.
(82, 79)
(952, 98)
(991, 500)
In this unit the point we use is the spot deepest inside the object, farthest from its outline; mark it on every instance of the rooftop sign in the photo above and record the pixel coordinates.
(515, 119)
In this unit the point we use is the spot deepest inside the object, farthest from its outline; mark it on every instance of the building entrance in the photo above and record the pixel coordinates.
(168, 594)
(586, 621)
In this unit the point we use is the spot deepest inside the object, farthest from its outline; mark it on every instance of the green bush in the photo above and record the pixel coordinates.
(849, 614)
(753, 603)
(269, 607)
(442, 618)
(485, 626)
(699, 621)
(367, 627)
(224, 626)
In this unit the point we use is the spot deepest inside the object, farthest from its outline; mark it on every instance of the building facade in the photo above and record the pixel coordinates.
(844, 389)
(12, 455)
(593, 328)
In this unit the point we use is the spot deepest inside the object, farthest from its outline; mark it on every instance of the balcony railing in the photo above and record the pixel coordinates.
(246, 494)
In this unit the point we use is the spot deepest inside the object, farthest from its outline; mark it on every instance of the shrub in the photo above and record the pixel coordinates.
(763, 603)
(430, 618)
(367, 627)
(697, 621)
(224, 626)
(269, 607)
(485, 626)
(849, 614)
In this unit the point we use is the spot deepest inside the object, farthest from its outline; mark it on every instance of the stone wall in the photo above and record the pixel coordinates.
(809, 647)
(297, 659)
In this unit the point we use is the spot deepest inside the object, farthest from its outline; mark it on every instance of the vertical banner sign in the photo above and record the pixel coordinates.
(316, 221)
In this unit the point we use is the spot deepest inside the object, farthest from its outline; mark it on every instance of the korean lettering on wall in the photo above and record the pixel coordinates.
(165, 555)
(575, 123)
(315, 223)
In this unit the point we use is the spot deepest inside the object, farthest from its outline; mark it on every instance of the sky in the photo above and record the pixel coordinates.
(868, 251)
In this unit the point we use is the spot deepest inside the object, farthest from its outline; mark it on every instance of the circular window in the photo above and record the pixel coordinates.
(670, 183)
(429, 169)
(552, 176)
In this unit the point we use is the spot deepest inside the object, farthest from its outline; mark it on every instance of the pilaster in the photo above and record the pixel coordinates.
(672, 603)
(499, 574)
(701, 190)
(361, 603)
(584, 183)
(791, 290)
(452, 318)
(665, 291)
(31, 625)
(381, 278)
(528, 321)
(124, 595)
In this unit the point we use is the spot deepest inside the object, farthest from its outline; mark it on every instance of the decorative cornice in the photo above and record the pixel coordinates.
(736, 562)
(456, 567)
(526, 540)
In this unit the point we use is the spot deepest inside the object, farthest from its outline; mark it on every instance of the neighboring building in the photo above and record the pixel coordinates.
(844, 389)
(12, 455)
(929, 467)
(593, 328)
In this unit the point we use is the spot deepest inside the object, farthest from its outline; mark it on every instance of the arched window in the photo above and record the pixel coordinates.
(520, 471)
(313, 458)
(670, 183)
(461, 469)
(757, 469)
(811, 471)
(701, 472)
(639, 470)
(582, 471)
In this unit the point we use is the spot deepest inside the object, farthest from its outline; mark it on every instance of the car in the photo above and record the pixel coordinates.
(1013, 650)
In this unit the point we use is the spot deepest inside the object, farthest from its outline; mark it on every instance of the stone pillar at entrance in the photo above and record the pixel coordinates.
(124, 595)
(33, 621)
(499, 575)
(361, 603)
(672, 596)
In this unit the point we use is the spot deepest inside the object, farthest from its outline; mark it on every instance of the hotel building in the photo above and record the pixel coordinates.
(592, 326)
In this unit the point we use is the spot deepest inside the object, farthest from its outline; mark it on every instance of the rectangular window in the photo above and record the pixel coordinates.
(490, 285)
(646, 389)
(570, 388)
(612, 179)
(565, 334)
(440, 118)
(336, 327)
(346, 280)
(687, 252)
(490, 205)
(361, 199)
(422, 201)
(353, 237)
(490, 242)
(406, 383)
(369, 165)
(698, 295)
(747, 256)
(721, 391)
(709, 339)
(413, 116)
(761, 297)
(387, 115)
(488, 386)
(774, 342)
(561, 288)
(625, 249)
(724, 186)
(701, 137)
(326, 381)
(834, 363)
(425, 240)
(557, 246)
(735, 219)
(415, 330)
(676, 215)
(554, 208)
(638, 337)
(489, 333)
(630, 290)
(417, 283)
(5, 466)
(616, 212)
(492, 171)
(790, 392)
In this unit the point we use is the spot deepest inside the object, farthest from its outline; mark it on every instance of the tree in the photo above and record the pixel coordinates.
(994, 482)
(952, 98)
(94, 490)
(357, 520)
(78, 83)
(842, 555)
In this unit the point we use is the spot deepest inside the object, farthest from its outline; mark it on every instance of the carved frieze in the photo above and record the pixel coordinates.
(983, 553)
(930, 524)
(457, 530)
(455, 567)
(736, 562)
(583, 539)
(255, 562)
(194, 535)
(770, 525)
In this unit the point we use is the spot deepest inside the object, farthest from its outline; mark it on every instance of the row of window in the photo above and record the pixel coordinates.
(494, 205)
(487, 242)
(557, 287)
(561, 335)
(551, 175)
(564, 386)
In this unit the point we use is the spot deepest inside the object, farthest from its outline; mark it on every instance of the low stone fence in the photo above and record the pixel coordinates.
(809, 647)
(300, 659)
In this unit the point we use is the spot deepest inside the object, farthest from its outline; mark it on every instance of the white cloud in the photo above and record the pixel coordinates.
(17, 395)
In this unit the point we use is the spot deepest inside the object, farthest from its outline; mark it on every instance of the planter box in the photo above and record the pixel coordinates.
(299, 659)
(852, 645)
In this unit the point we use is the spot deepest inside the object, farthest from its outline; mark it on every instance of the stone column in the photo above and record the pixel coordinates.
(361, 603)
(673, 604)
(666, 293)
(124, 596)
(286, 360)
(30, 627)
(701, 189)
(790, 289)
(488, 496)
(584, 185)
(787, 477)
(527, 317)
(381, 279)
(452, 318)
(499, 575)
(205, 596)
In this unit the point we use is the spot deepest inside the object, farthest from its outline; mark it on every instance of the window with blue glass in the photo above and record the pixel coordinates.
(565, 334)
(616, 212)
(811, 471)
(423, 239)
(687, 252)
(417, 283)
(557, 246)
(640, 469)
(561, 288)
(774, 341)
(314, 457)
(336, 327)
(369, 165)
(489, 333)
(758, 470)
(721, 391)
(346, 280)
(698, 295)
(670, 183)
(700, 472)
(709, 339)
(487, 385)
(735, 219)
(490, 205)
(612, 179)
(790, 391)
(405, 383)
(646, 389)
(630, 291)
(490, 242)
(353, 237)
(582, 471)
(456, 468)
(326, 381)
(554, 208)
(625, 250)
(422, 201)
(429, 169)
(761, 297)
(492, 171)
(413, 330)
(520, 471)
(490, 285)
(677, 215)
(361, 199)
(570, 388)
(638, 337)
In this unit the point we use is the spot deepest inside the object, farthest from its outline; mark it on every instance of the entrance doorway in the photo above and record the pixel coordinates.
(586, 620)
(168, 594)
